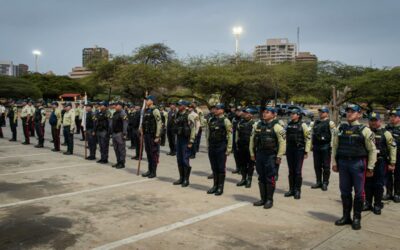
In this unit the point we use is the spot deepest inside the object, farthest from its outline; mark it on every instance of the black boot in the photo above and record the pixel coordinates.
(186, 175)
(347, 204)
(153, 173)
(263, 191)
(297, 187)
(291, 187)
(180, 180)
(146, 174)
(243, 182)
(318, 184)
(270, 196)
(358, 204)
(249, 177)
(324, 186)
(215, 185)
(120, 165)
(221, 182)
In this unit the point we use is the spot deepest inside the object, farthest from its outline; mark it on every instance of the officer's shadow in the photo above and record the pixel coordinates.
(323, 216)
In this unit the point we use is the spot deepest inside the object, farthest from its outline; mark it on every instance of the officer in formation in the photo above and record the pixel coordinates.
(171, 133)
(31, 121)
(25, 118)
(69, 127)
(267, 147)
(186, 134)
(131, 115)
(78, 118)
(203, 122)
(40, 122)
(151, 129)
(354, 157)
(55, 123)
(236, 117)
(2, 119)
(102, 131)
(136, 133)
(298, 144)
(119, 130)
(219, 143)
(90, 134)
(393, 174)
(164, 121)
(197, 125)
(13, 120)
(242, 141)
(322, 132)
(386, 148)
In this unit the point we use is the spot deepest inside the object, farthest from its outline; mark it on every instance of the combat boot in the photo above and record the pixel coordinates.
(358, 204)
(186, 175)
(262, 188)
(120, 165)
(347, 205)
(180, 180)
(270, 196)
(291, 187)
(317, 185)
(146, 174)
(221, 182)
(214, 187)
(243, 181)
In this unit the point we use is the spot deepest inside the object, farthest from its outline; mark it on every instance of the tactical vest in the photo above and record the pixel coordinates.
(244, 129)
(395, 130)
(380, 142)
(217, 131)
(182, 124)
(351, 141)
(235, 122)
(295, 135)
(171, 119)
(38, 115)
(265, 137)
(321, 134)
(149, 122)
(117, 122)
(89, 121)
(53, 119)
(102, 121)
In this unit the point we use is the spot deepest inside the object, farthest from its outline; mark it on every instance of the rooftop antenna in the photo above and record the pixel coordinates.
(298, 41)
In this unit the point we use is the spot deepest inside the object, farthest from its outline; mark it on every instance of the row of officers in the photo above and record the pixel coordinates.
(364, 156)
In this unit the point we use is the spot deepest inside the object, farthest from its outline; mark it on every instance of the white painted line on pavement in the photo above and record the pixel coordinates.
(11, 156)
(170, 227)
(72, 193)
(45, 169)
(10, 146)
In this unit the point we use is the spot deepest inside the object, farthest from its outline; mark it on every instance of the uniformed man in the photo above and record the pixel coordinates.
(208, 117)
(151, 129)
(119, 129)
(171, 133)
(242, 137)
(136, 133)
(40, 122)
(69, 127)
(393, 175)
(55, 120)
(203, 124)
(237, 117)
(131, 115)
(102, 131)
(164, 121)
(90, 134)
(386, 148)
(219, 143)
(321, 134)
(13, 120)
(186, 133)
(298, 144)
(2, 119)
(197, 126)
(354, 157)
(62, 119)
(267, 146)
(25, 118)
(78, 121)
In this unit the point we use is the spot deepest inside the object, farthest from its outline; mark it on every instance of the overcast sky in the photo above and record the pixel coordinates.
(351, 31)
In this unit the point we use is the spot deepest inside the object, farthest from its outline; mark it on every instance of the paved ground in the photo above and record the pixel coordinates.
(49, 200)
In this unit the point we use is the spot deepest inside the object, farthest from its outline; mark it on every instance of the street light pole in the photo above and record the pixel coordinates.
(36, 54)
(237, 31)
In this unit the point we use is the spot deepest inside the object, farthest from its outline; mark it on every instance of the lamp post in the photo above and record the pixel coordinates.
(36, 54)
(237, 31)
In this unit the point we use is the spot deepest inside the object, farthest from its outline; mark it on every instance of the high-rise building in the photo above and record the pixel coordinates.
(7, 68)
(94, 55)
(275, 51)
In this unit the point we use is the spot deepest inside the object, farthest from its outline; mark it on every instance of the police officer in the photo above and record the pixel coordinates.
(90, 134)
(185, 131)
(197, 126)
(69, 127)
(119, 129)
(13, 118)
(151, 129)
(164, 121)
(2, 119)
(31, 120)
(386, 148)
(219, 142)
(208, 117)
(354, 157)
(236, 118)
(25, 118)
(267, 146)
(102, 131)
(298, 144)
(135, 132)
(321, 134)
(55, 123)
(203, 123)
(243, 133)
(78, 120)
(131, 116)
(393, 174)
(40, 122)
(171, 133)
